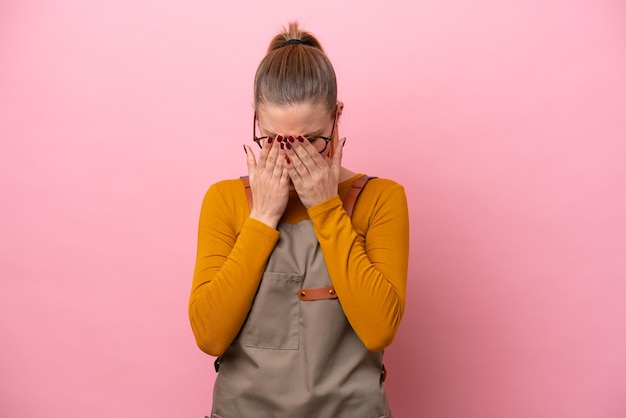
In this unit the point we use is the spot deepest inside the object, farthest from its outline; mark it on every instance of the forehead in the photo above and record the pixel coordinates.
(299, 118)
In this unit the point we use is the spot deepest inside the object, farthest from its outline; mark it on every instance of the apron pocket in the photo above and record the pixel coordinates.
(274, 320)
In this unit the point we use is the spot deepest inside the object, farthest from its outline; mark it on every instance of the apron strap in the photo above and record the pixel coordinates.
(246, 185)
(353, 193)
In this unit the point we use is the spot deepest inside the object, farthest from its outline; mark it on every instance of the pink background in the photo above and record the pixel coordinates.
(505, 121)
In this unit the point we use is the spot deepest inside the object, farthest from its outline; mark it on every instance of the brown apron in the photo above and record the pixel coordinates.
(296, 355)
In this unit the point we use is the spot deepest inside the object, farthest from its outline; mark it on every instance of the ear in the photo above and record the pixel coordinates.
(339, 109)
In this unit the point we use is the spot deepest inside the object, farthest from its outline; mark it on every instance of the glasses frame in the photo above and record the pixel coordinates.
(326, 139)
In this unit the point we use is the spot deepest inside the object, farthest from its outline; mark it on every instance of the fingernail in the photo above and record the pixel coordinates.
(288, 145)
(299, 138)
(282, 146)
(269, 140)
(287, 159)
(244, 148)
(279, 138)
(290, 138)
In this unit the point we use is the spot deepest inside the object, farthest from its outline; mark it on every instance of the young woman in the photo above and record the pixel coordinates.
(298, 286)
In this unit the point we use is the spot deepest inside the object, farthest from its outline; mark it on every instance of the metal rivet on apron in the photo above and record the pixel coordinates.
(302, 294)
(331, 291)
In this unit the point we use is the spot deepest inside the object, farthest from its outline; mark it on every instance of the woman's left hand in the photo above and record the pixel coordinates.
(314, 177)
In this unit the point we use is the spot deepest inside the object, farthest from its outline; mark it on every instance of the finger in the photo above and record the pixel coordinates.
(318, 159)
(284, 178)
(307, 155)
(295, 162)
(336, 162)
(272, 155)
(265, 150)
(250, 159)
(293, 165)
(291, 170)
(280, 176)
(279, 165)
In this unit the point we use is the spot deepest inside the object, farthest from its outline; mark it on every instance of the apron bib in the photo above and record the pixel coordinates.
(296, 355)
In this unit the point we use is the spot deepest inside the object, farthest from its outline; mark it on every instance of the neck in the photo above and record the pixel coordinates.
(345, 174)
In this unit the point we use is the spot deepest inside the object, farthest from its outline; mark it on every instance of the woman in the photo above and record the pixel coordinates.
(296, 297)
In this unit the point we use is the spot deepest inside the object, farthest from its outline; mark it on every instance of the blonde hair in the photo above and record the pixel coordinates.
(295, 70)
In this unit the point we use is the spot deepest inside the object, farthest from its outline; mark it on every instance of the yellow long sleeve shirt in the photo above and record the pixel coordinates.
(366, 257)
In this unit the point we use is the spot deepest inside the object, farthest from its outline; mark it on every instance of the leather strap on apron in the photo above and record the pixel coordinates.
(353, 193)
(317, 293)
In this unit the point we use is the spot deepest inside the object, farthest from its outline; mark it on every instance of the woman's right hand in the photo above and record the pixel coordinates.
(269, 183)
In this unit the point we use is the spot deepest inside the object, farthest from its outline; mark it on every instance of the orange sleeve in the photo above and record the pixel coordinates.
(367, 258)
(232, 253)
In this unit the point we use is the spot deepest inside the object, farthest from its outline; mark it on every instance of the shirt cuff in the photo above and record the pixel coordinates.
(262, 228)
(320, 209)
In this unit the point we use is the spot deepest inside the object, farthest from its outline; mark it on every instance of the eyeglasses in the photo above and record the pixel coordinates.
(319, 142)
